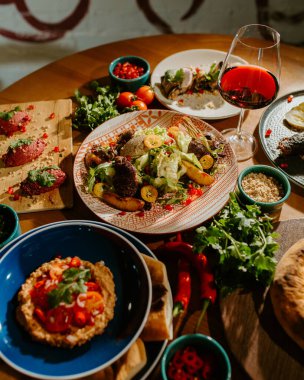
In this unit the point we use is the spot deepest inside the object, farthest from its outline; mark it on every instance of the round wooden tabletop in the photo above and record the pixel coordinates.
(60, 79)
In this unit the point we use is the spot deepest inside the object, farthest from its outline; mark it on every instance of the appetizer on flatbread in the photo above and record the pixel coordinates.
(66, 302)
(287, 294)
(159, 322)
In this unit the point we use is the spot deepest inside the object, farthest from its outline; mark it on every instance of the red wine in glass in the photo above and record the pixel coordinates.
(249, 87)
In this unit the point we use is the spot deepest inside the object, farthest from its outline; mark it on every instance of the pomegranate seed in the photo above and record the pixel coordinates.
(168, 207)
(52, 115)
(45, 135)
(56, 149)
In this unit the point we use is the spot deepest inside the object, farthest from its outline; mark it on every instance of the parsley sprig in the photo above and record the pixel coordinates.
(7, 115)
(243, 245)
(95, 109)
(42, 176)
(73, 282)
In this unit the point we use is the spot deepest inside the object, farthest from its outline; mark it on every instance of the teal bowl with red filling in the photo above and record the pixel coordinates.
(196, 355)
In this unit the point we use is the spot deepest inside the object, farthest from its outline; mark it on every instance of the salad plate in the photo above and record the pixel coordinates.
(158, 219)
(154, 350)
(197, 58)
(273, 127)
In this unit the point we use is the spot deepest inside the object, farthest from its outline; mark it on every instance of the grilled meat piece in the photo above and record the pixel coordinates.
(123, 139)
(176, 82)
(197, 148)
(292, 146)
(17, 122)
(22, 151)
(124, 180)
(43, 180)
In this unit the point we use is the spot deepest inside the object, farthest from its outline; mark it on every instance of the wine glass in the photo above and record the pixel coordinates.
(249, 79)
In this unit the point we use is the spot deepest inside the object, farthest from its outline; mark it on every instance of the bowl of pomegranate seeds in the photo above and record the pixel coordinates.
(129, 72)
(195, 356)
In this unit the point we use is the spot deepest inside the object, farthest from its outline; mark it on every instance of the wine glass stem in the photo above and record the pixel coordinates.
(240, 123)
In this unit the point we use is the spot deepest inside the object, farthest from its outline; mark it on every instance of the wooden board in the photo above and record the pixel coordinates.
(59, 133)
(252, 331)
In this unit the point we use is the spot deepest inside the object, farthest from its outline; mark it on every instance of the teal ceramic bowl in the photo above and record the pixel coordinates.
(269, 171)
(206, 347)
(130, 84)
(9, 225)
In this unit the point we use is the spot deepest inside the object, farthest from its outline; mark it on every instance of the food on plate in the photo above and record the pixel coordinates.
(193, 85)
(295, 117)
(43, 180)
(130, 204)
(159, 323)
(242, 243)
(66, 302)
(286, 292)
(132, 362)
(13, 121)
(22, 151)
(153, 165)
(262, 188)
(292, 146)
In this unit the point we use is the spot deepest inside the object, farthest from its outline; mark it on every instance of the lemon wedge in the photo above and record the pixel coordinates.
(295, 117)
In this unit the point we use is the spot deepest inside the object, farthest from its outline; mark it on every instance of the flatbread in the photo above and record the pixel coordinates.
(287, 292)
(159, 323)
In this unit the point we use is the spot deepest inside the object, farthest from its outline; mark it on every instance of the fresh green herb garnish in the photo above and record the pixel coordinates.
(96, 109)
(9, 114)
(73, 282)
(20, 142)
(242, 242)
(172, 76)
(42, 176)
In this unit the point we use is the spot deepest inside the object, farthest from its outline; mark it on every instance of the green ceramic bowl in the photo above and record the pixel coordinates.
(9, 225)
(270, 171)
(130, 84)
(204, 345)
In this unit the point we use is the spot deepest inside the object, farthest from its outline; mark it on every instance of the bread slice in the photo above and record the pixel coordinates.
(159, 323)
(132, 362)
(287, 294)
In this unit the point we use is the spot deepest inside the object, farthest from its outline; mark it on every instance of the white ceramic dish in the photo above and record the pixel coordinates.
(158, 220)
(203, 58)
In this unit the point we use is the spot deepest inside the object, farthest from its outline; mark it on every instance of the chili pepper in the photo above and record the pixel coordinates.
(182, 297)
(208, 291)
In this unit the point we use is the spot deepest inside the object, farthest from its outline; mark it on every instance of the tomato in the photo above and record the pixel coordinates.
(58, 319)
(92, 301)
(39, 297)
(75, 262)
(39, 313)
(139, 104)
(146, 94)
(92, 286)
(128, 70)
(81, 317)
(125, 99)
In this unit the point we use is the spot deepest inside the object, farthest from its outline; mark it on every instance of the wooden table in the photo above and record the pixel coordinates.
(61, 78)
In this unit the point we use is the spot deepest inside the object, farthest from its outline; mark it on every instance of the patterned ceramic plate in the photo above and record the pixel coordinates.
(273, 119)
(158, 220)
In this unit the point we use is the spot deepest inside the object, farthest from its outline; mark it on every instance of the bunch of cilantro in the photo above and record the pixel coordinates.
(95, 109)
(241, 243)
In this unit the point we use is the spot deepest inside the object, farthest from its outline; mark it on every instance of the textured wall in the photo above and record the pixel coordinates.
(35, 32)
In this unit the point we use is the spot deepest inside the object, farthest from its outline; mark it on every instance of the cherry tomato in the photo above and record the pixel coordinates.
(92, 286)
(81, 317)
(125, 99)
(146, 94)
(75, 262)
(139, 104)
(58, 319)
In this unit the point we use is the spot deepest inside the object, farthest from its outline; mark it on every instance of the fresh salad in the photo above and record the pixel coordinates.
(166, 166)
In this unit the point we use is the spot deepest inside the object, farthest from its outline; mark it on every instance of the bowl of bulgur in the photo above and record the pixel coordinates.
(265, 186)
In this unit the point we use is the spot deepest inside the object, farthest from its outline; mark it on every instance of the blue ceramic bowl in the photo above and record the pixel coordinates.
(204, 345)
(11, 227)
(90, 242)
(130, 84)
(269, 207)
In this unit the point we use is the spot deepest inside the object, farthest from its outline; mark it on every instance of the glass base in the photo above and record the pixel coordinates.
(243, 145)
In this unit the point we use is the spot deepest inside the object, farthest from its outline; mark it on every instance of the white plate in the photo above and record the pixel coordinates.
(158, 220)
(198, 58)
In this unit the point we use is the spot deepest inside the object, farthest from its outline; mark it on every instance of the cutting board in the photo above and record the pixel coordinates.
(57, 131)
(254, 335)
